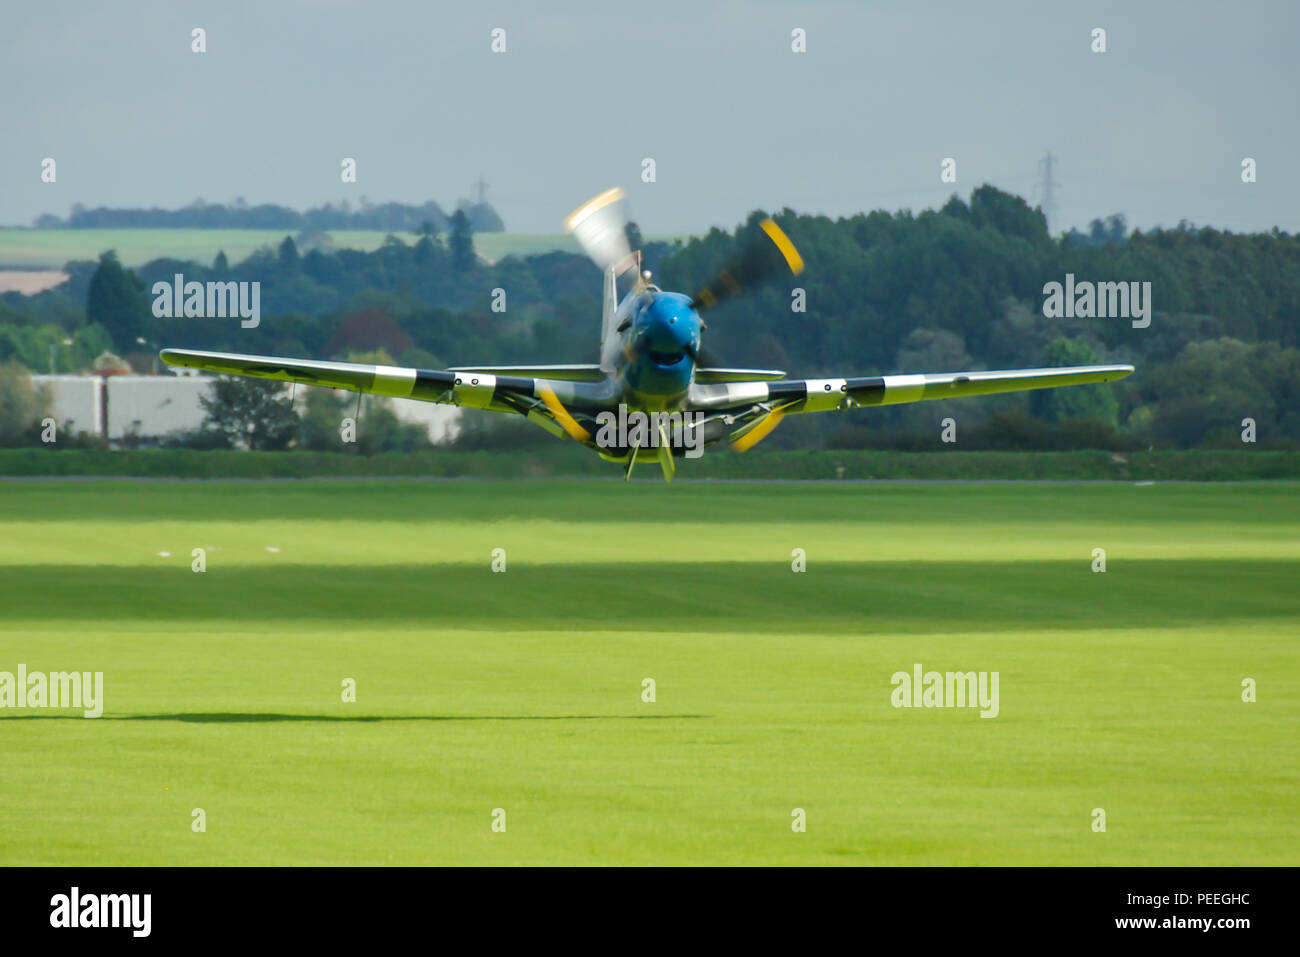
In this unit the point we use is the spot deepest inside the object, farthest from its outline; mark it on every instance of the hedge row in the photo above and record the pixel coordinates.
(572, 461)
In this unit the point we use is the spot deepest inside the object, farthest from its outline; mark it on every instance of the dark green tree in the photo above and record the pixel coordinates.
(426, 247)
(221, 264)
(634, 240)
(956, 207)
(378, 429)
(20, 405)
(249, 412)
(1084, 401)
(289, 253)
(462, 242)
(1009, 215)
(117, 302)
(321, 426)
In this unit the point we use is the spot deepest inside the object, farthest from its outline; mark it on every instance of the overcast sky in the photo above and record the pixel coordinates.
(1156, 127)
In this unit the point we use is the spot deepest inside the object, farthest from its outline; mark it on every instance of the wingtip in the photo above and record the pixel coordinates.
(176, 357)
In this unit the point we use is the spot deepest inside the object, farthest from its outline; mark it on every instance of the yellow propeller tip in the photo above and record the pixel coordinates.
(782, 241)
(590, 206)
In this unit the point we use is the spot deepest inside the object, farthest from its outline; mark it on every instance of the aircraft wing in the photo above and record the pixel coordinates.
(761, 405)
(547, 402)
(572, 373)
(897, 389)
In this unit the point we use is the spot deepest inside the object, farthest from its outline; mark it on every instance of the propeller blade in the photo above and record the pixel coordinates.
(562, 416)
(759, 259)
(759, 430)
(599, 226)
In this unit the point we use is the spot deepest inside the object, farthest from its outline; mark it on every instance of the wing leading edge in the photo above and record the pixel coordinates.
(356, 376)
(475, 389)
(826, 395)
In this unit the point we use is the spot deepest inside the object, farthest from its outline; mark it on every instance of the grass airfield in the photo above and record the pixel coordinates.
(479, 690)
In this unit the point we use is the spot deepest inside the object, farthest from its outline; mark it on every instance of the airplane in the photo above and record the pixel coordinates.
(650, 372)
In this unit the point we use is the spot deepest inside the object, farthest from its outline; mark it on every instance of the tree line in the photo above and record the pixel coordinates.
(957, 288)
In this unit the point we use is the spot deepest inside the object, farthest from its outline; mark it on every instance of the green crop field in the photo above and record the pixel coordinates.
(51, 248)
(523, 690)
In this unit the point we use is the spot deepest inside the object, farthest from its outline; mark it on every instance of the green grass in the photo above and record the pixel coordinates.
(51, 248)
(522, 690)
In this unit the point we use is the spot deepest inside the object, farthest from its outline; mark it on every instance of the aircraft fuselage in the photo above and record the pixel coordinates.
(659, 341)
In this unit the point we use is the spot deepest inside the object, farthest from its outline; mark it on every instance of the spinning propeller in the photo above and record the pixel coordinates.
(766, 255)
(600, 227)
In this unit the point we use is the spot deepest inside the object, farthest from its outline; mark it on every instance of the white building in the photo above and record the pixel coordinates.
(76, 402)
(154, 406)
(442, 422)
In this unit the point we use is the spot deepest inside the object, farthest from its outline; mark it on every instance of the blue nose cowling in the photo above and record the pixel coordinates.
(670, 327)
(668, 331)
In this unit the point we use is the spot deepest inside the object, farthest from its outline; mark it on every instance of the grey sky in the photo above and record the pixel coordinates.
(1156, 127)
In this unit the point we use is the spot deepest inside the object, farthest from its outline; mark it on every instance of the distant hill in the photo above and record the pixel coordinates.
(391, 217)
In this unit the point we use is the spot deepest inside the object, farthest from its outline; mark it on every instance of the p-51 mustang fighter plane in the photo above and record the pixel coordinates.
(650, 370)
